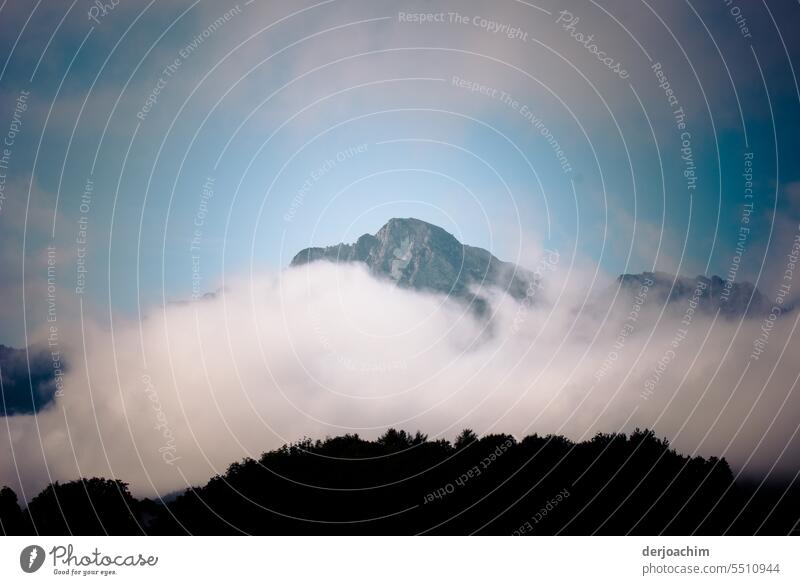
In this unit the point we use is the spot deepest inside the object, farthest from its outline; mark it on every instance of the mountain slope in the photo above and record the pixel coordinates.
(29, 379)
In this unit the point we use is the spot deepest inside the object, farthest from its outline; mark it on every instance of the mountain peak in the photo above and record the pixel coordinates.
(419, 255)
(411, 225)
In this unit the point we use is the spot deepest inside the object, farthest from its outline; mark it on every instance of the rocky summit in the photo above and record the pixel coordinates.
(421, 256)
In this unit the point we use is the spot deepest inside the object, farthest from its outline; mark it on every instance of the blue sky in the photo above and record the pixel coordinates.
(265, 99)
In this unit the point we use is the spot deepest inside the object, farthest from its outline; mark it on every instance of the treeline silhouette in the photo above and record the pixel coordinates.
(406, 484)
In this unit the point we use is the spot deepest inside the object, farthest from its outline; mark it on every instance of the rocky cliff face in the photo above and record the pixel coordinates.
(422, 256)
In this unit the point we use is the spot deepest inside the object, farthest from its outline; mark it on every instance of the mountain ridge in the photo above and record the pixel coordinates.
(419, 255)
(712, 294)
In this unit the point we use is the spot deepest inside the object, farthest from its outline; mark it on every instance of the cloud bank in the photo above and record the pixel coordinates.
(324, 349)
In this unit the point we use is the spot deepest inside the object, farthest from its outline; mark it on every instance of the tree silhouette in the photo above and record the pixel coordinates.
(404, 483)
(10, 512)
(465, 438)
(84, 507)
